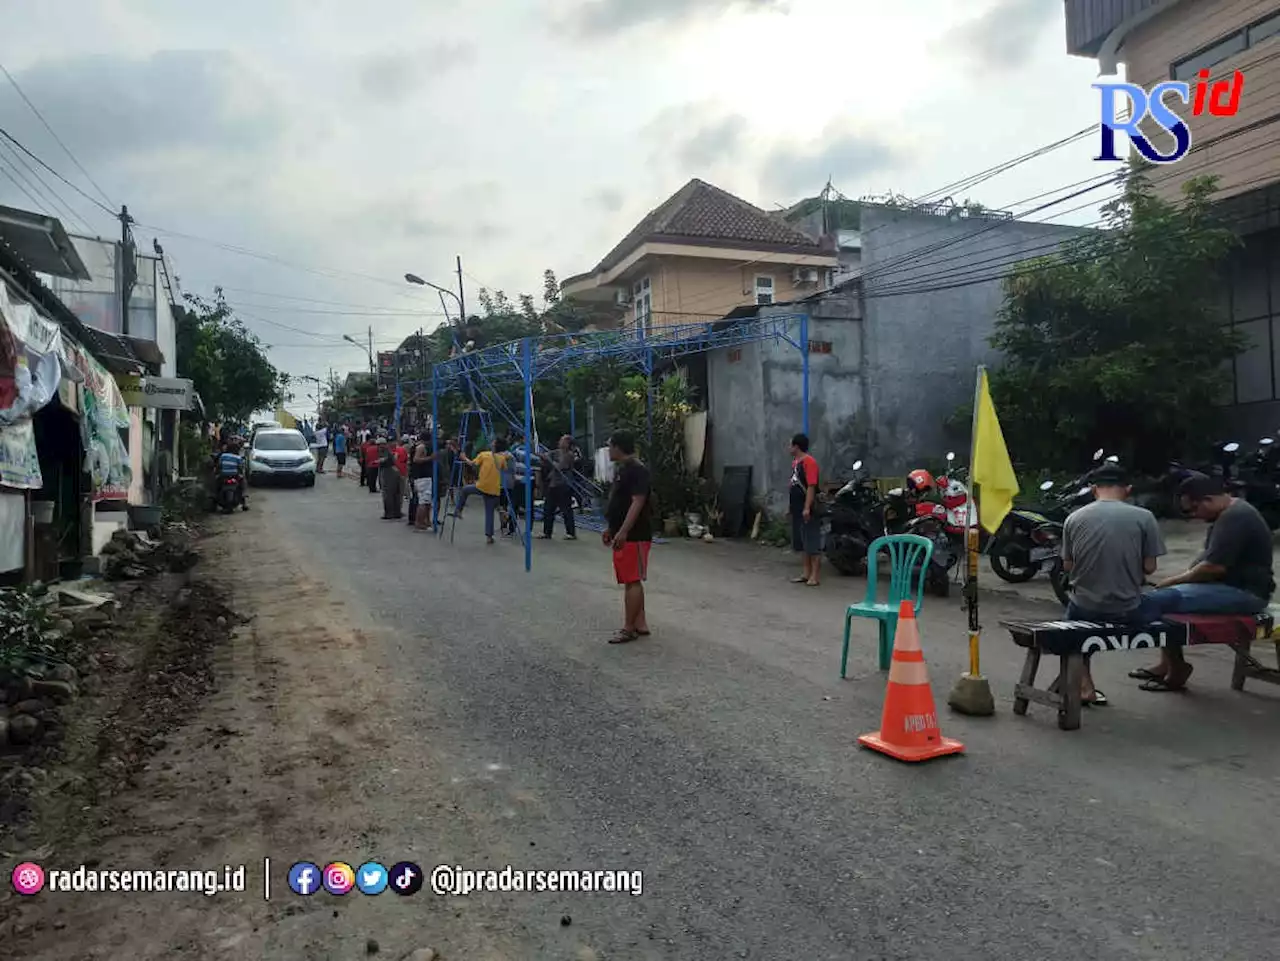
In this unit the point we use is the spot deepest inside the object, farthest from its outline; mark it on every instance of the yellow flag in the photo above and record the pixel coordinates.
(992, 469)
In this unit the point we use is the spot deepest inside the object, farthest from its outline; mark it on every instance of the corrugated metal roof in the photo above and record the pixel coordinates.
(41, 242)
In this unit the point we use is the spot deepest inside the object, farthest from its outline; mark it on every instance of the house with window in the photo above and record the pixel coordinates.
(700, 254)
(1194, 40)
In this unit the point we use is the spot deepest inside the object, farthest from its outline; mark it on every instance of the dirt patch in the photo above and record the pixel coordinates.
(240, 716)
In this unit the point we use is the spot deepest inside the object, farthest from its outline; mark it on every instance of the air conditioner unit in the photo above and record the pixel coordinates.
(622, 298)
(804, 275)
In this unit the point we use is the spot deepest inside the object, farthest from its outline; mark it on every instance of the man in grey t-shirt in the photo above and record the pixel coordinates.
(1109, 548)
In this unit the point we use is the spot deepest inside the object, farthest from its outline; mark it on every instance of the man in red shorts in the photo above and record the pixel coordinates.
(629, 533)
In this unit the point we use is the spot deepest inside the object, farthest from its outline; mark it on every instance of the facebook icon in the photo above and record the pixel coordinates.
(304, 878)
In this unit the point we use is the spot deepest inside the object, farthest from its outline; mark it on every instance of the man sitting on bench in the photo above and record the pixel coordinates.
(1109, 548)
(1232, 575)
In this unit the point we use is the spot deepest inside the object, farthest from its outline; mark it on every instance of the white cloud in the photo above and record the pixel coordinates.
(369, 139)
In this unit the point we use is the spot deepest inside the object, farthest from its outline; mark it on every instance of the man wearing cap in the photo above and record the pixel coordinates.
(1109, 547)
(1232, 575)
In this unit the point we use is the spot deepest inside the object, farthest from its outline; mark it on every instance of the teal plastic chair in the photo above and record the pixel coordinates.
(909, 556)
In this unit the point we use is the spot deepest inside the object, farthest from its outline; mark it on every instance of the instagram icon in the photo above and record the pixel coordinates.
(339, 877)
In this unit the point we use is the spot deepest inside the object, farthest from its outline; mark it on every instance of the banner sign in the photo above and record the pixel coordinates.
(105, 417)
(162, 393)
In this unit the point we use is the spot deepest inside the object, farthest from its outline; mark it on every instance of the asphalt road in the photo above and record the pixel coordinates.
(719, 757)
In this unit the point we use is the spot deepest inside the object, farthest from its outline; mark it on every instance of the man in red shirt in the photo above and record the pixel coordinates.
(629, 516)
(371, 464)
(806, 528)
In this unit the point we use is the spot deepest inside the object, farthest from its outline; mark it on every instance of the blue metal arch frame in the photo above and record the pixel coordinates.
(527, 361)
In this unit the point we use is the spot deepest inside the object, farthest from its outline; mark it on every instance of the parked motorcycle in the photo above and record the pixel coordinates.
(942, 562)
(1254, 478)
(1028, 540)
(228, 495)
(855, 519)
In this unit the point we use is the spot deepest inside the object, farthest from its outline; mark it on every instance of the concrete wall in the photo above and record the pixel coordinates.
(929, 319)
(690, 290)
(903, 354)
(756, 402)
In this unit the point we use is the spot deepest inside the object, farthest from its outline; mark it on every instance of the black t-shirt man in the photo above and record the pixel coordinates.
(1240, 540)
(632, 481)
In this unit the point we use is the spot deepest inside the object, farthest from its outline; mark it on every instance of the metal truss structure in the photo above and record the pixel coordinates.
(482, 373)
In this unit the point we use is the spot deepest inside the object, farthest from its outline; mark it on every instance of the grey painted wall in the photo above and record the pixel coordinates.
(903, 359)
(756, 403)
(924, 345)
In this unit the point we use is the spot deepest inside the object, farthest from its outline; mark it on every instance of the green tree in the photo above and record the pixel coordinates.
(1117, 341)
(225, 361)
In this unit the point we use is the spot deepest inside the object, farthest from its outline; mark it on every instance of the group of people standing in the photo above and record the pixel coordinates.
(400, 466)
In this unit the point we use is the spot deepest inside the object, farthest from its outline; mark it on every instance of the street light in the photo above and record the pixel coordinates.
(459, 297)
(369, 351)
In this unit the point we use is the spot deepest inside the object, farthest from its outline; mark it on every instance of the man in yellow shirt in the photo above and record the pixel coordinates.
(489, 466)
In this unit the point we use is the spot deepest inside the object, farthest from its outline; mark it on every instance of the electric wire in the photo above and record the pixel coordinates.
(54, 134)
(58, 205)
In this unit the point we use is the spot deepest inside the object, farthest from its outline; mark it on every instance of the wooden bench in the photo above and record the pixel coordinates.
(1070, 641)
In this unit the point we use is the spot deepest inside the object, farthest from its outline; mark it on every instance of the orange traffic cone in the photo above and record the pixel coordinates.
(909, 726)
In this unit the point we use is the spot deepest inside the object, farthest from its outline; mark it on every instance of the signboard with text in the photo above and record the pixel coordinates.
(162, 393)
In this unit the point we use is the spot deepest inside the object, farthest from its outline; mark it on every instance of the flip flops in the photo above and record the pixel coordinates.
(626, 637)
(1159, 685)
(1145, 674)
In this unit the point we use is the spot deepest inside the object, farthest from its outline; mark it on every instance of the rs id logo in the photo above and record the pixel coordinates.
(1221, 98)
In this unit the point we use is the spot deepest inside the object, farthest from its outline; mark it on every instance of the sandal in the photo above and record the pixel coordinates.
(1098, 700)
(1146, 674)
(623, 637)
(1159, 685)
(799, 580)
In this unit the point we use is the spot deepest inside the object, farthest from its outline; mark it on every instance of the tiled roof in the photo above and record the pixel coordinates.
(701, 212)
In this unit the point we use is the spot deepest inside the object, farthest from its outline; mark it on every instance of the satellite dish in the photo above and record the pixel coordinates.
(1113, 459)
(1231, 448)
(951, 455)
(1046, 485)
(1097, 454)
(857, 465)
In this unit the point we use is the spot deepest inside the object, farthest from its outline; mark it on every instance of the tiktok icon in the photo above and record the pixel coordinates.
(406, 878)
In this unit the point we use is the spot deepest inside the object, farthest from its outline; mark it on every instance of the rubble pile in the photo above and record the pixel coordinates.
(132, 555)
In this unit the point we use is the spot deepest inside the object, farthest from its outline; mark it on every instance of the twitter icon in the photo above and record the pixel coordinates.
(371, 878)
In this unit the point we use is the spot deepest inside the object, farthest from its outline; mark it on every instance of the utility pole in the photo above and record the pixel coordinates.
(128, 269)
(372, 369)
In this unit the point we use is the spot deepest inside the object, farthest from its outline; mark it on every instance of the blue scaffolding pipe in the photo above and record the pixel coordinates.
(502, 364)
(524, 362)
(527, 360)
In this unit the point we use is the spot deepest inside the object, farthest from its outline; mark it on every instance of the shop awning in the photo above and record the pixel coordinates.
(42, 243)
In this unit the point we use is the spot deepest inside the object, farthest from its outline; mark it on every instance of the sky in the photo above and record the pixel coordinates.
(306, 154)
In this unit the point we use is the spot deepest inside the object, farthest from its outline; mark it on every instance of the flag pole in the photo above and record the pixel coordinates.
(972, 692)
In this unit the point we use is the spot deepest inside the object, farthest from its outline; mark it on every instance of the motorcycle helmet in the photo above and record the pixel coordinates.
(954, 493)
(919, 481)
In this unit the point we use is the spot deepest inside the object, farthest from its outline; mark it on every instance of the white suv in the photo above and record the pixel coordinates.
(281, 454)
